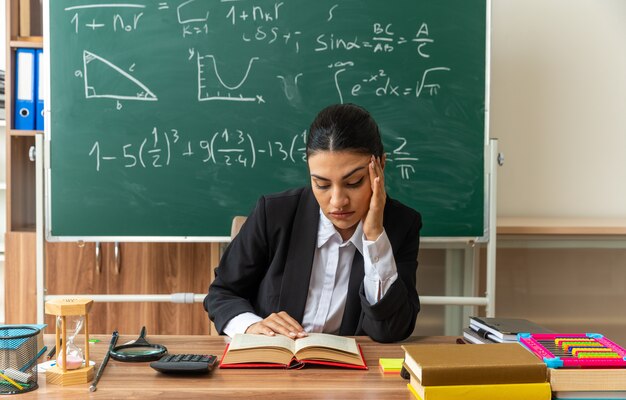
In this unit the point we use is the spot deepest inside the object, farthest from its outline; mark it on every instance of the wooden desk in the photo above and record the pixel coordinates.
(137, 380)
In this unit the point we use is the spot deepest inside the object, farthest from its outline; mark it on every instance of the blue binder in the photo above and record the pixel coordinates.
(25, 89)
(39, 70)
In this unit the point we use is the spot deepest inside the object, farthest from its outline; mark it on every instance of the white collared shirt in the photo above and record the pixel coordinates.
(330, 276)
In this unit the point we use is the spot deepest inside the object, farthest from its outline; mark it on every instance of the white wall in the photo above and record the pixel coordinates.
(3, 35)
(558, 106)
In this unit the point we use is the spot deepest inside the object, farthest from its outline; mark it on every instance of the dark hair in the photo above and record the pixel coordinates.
(344, 127)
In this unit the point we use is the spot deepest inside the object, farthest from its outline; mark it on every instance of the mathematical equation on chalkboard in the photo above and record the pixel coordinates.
(228, 147)
(263, 25)
(194, 18)
(167, 117)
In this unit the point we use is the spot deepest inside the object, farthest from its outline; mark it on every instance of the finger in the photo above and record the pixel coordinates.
(261, 329)
(380, 172)
(292, 323)
(276, 325)
(289, 323)
(380, 179)
(372, 173)
(282, 322)
(378, 188)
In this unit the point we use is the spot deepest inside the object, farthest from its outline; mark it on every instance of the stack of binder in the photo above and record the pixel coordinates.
(459, 372)
(29, 89)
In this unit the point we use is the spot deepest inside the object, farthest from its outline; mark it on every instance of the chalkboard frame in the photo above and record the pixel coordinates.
(488, 163)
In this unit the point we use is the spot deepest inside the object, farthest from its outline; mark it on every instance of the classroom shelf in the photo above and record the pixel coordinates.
(23, 132)
(35, 42)
(27, 228)
(561, 226)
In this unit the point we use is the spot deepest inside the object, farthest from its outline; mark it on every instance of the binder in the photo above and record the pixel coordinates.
(39, 69)
(25, 89)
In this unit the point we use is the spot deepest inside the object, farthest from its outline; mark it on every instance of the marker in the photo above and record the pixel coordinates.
(53, 350)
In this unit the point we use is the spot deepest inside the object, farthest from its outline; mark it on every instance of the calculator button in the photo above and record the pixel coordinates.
(196, 357)
(187, 357)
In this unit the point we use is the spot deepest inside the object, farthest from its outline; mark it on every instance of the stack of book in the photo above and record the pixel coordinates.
(450, 372)
(484, 330)
(588, 383)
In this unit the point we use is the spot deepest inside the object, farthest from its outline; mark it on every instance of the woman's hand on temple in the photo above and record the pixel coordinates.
(373, 221)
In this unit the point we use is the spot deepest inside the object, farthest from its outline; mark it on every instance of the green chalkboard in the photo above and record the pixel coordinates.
(168, 118)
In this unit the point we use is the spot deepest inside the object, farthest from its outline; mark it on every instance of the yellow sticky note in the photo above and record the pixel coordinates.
(390, 365)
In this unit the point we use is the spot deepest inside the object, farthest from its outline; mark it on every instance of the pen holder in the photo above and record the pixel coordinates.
(18, 359)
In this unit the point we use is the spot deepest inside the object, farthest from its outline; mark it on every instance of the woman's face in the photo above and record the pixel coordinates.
(341, 185)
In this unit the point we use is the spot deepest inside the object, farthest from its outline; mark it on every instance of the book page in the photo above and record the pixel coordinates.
(250, 341)
(340, 343)
(261, 355)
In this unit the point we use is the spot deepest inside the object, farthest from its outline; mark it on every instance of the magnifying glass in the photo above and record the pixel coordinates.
(138, 350)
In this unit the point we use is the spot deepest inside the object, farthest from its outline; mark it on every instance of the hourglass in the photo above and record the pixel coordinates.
(69, 369)
(73, 354)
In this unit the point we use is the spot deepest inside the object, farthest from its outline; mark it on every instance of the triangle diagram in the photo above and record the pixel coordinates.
(103, 79)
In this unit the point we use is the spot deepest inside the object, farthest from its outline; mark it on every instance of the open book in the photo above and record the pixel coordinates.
(249, 351)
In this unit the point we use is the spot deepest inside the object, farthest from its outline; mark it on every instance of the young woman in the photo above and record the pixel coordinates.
(337, 257)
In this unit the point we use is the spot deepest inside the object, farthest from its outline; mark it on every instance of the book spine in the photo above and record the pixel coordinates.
(413, 392)
(587, 379)
(477, 375)
(525, 391)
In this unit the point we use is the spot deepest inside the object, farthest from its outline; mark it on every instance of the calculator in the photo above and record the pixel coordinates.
(185, 363)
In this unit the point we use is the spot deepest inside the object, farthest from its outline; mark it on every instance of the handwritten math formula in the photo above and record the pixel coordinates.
(268, 25)
(342, 52)
(228, 147)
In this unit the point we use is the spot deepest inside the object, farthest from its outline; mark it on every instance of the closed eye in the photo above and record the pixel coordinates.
(356, 184)
(321, 184)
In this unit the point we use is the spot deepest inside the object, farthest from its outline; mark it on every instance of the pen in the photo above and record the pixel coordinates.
(53, 350)
(114, 337)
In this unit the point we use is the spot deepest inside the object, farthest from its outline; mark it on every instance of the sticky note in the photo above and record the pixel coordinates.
(391, 365)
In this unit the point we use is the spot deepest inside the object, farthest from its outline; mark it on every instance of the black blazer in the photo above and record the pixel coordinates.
(267, 268)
